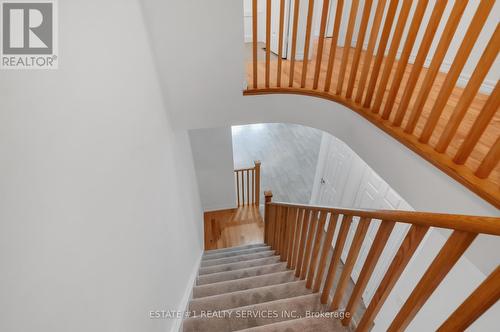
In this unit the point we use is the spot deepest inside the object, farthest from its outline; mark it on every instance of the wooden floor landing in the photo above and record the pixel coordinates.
(233, 227)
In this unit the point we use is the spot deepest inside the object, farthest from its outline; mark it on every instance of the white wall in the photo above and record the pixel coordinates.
(100, 220)
(213, 160)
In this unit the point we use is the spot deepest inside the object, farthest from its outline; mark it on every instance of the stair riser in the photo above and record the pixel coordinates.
(244, 273)
(251, 296)
(235, 322)
(208, 257)
(248, 246)
(238, 265)
(243, 284)
(236, 259)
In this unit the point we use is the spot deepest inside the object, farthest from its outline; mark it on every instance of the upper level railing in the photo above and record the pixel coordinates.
(297, 234)
(407, 95)
(248, 185)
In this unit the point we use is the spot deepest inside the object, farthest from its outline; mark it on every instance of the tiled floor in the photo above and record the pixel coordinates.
(288, 152)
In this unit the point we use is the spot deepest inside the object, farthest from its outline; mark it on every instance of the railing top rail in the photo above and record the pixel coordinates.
(466, 223)
(244, 169)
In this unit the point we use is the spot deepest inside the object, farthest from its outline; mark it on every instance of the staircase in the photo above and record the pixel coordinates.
(248, 288)
(297, 281)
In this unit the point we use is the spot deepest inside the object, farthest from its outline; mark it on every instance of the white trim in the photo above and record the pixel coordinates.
(188, 295)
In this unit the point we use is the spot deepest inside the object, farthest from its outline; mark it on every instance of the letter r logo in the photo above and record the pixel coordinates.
(27, 28)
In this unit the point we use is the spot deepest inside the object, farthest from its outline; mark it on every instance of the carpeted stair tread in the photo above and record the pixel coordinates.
(309, 324)
(238, 265)
(242, 273)
(239, 258)
(247, 246)
(239, 252)
(243, 284)
(255, 315)
(250, 296)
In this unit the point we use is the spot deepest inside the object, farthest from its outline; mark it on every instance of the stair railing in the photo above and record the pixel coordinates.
(296, 232)
(456, 130)
(248, 185)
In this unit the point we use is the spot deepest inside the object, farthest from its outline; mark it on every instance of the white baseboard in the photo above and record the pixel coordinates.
(188, 295)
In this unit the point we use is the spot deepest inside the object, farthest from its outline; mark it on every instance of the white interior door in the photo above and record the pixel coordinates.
(345, 180)
(275, 28)
(337, 163)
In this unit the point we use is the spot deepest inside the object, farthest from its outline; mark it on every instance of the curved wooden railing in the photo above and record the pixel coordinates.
(248, 185)
(297, 234)
(456, 129)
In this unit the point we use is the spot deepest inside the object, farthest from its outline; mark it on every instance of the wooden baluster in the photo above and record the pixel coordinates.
(447, 257)
(352, 257)
(254, 42)
(272, 226)
(333, 45)
(347, 44)
(291, 242)
(242, 188)
(423, 51)
(297, 242)
(480, 72)
(388, 61)
(484, 297)
(405, 252)
(248, 187)
(359, 47)
(444, 43)
(253, 186)
(463, 53)
(268, 41)
(305, 61)
(377, 19)
(277, 230)
(321, 41)
(268, 195)
(327, 244)
(257, 182)
(237, 186)
(313, 223)
(303, 233)
(280, 42)
(376, 249)
(296, 7)
(483, 119)
(384, 39)
(490, 161)
(285, 234)
(317, 243)
(408, 46)
(337, 251)
(479, 126)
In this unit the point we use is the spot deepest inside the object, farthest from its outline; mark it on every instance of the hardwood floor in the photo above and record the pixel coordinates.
(233, 227)
(486, 141)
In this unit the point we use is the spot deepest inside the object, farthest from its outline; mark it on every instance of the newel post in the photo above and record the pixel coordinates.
(257, 183)
(269, 197)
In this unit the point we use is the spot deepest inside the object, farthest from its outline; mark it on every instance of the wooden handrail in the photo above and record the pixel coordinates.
(390, 87)
(296, 232)
(466, 223)
(248, 185)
